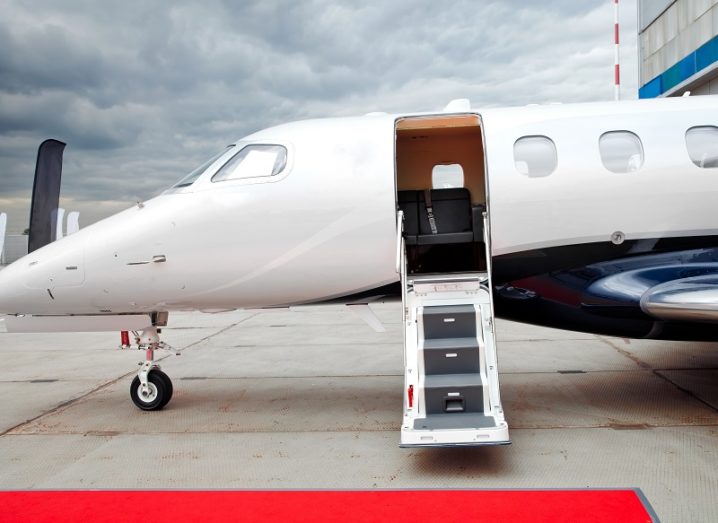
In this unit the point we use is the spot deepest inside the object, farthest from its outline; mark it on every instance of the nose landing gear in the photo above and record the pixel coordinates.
(154, 394)
(151, 389)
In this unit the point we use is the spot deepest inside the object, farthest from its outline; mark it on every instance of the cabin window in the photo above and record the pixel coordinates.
(702, 144)
(535, 156)
(621, 151)
(447, 176)
(253, 161)
(199, 171)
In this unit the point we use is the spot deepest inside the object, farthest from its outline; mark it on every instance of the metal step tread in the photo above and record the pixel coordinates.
(439, 277)
(450, 343)
(443, 310)
(434, 381)
(469, 420)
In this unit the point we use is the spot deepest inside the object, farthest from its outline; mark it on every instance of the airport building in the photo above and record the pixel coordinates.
(678, 47)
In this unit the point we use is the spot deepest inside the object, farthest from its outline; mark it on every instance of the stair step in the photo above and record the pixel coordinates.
(451, 343)
(451, 356)
(452, 380)
(470, 420)
(452, 321)
(453, 393)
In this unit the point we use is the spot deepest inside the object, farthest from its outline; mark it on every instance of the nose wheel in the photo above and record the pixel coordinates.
(151, 389)
(156, 394)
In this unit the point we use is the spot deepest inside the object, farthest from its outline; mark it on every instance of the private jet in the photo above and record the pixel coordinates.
(593, 217)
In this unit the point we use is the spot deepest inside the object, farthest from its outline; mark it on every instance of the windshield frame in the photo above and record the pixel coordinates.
(189, 179)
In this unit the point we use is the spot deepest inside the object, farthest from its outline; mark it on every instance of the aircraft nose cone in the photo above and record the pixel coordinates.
(10, 289)
(32, 284)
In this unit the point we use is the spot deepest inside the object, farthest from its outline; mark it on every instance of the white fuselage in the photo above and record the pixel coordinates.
(583, 202)
(325, 227)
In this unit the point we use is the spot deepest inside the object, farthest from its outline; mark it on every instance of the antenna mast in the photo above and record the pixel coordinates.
(617, 64)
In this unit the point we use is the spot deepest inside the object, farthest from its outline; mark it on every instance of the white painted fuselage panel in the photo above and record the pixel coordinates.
(323, 228)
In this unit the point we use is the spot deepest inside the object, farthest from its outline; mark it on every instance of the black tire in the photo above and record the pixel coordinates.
(169, 389)
(158, 392)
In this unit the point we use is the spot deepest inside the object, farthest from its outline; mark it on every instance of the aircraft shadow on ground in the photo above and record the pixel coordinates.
(484, 461)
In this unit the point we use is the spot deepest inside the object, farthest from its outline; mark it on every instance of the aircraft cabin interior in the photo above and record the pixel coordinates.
(441, 188)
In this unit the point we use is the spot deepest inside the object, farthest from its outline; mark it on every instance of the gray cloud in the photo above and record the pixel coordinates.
(142, 91)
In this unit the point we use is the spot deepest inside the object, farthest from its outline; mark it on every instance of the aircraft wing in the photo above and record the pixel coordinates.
(686, 299)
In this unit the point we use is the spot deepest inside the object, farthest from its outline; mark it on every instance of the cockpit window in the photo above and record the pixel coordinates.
(191, 177)
(253, 161)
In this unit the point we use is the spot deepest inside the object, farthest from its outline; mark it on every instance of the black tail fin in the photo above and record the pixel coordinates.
(45, 194)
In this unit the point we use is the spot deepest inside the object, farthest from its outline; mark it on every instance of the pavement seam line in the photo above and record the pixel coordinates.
(686, 391)
(112, 434)
(221, 331)
(657, 373)
(69, 402)
(635, 359)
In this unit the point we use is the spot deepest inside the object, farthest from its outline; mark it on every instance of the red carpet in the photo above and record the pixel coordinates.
(436, 506)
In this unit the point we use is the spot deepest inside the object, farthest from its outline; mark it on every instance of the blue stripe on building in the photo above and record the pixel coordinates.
(704, 56)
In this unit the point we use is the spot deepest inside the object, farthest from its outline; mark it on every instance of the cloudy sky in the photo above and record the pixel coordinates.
(143, 91)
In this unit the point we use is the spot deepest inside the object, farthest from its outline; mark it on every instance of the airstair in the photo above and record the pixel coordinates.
(451, 395)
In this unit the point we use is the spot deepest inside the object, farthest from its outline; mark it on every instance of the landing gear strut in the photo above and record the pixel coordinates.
(151, 389)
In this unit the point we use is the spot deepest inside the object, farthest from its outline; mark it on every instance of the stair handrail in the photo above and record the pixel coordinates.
(399, 235)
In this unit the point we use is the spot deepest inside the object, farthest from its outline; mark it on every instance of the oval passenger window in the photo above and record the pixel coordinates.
(621, 151)
(702, 145)
(447, 176)
(535, 156)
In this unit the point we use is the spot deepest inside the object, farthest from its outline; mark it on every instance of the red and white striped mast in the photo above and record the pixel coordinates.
(617, 64)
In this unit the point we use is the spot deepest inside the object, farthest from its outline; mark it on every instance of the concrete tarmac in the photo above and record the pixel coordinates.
(312, 398)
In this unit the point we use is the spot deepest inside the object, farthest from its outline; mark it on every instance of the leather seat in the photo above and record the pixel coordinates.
(452, 211)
